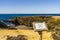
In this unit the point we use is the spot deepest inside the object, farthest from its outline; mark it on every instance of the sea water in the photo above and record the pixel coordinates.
(10, 16)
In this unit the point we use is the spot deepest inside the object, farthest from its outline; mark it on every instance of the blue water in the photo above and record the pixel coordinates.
(10, 16)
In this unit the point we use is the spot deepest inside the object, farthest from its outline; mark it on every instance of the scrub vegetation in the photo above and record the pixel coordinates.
(28, 20)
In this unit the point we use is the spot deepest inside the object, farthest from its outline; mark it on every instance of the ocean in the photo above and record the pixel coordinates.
(10, 16)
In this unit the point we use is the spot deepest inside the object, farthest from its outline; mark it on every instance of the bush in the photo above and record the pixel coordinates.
(29, 19)
(19, 37)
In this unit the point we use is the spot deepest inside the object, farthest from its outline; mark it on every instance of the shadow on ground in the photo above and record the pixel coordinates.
(19, 37)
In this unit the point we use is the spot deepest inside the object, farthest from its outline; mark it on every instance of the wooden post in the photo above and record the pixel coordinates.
(40, 34)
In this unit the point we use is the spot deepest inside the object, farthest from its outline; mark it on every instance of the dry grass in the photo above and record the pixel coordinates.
(47, 35)
(31, 35)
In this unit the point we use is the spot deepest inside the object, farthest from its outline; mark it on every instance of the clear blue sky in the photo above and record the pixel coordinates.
(29, 6)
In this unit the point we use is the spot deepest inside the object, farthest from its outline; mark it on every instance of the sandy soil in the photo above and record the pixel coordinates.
(31, 35)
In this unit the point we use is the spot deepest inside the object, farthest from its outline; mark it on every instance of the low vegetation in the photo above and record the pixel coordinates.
(19, 37)
(28, 20)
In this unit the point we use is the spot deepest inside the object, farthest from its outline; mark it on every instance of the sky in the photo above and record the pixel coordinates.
(29, 6)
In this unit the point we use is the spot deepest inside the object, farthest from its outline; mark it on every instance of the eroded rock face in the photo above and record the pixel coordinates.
(19, 37)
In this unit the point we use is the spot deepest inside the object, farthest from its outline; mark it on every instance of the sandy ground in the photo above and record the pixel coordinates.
(47, 35)
(31, 35)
